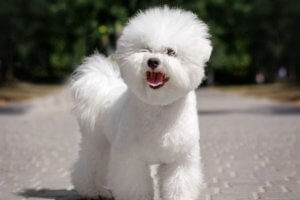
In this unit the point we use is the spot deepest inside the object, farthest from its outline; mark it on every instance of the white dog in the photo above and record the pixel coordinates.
(139, 109)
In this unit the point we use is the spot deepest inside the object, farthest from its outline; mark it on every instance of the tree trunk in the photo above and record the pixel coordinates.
(6, 73)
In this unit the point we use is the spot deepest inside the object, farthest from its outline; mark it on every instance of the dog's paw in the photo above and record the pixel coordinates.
(104, 194)
(95, 198)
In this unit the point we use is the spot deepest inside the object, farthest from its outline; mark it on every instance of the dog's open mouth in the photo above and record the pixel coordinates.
(156, 80)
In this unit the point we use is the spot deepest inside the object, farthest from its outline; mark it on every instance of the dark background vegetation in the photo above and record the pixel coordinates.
(44, 40)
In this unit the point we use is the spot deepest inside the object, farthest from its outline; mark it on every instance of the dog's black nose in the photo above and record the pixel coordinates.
(153, 63)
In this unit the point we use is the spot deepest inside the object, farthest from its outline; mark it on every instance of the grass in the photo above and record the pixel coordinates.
(284, 92)
(20, 91)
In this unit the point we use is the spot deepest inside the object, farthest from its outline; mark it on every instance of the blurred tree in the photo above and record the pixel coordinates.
(252, 37)
(274, 37)
(45, 39)
(228, 20)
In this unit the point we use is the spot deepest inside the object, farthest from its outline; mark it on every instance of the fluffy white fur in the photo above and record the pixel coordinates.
(127, 126)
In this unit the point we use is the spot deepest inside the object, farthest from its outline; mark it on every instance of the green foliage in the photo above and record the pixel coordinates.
(252, 37)
(46, 39)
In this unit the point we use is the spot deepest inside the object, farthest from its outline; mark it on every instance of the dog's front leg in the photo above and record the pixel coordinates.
(180, 180)
(129, 177)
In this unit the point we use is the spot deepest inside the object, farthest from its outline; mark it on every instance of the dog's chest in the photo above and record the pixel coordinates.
(160, 137)
(158, 134)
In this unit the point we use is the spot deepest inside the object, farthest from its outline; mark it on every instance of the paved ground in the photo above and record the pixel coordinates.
(250, 149)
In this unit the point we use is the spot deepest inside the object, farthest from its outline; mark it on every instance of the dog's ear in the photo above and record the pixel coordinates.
(205, 49)
(201, 50)
(201, 42)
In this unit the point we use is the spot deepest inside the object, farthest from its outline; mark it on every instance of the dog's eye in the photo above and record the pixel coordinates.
(146, 49)
(171, 52)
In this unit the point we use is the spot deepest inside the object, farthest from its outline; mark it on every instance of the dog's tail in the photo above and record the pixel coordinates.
(93, 84)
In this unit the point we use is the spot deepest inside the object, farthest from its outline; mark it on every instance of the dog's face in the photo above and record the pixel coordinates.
(162, 53)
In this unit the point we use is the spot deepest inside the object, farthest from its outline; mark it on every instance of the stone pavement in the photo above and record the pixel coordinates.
(250, 148)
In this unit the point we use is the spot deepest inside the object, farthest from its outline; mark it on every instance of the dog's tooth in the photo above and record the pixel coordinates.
(156, 77)
(161, 78)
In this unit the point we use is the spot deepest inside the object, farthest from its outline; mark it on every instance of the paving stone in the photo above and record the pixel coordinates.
(250, 146)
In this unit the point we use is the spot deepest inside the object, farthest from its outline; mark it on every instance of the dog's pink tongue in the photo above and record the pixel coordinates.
(155, 78)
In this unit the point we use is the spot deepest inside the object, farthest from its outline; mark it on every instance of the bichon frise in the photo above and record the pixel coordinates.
(139, 109)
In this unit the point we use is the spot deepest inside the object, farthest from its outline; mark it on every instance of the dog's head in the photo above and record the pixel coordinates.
(162, 53)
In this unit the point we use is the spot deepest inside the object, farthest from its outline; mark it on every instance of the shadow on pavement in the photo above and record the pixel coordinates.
(260, 110)
(286, 110)
(214, 112)
(61, 194)
(51, 194)
(13, 110)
